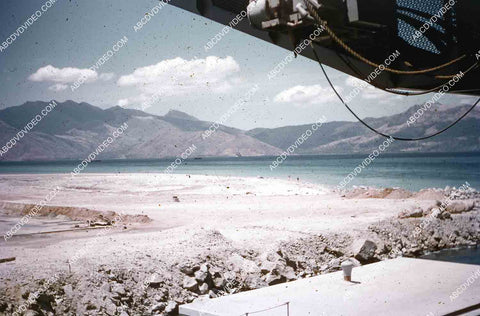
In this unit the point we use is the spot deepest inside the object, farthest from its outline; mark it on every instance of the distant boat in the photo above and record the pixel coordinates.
(239, 155)
(197, 158)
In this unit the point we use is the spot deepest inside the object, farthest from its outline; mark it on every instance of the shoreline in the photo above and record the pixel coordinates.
(289, 179)
(209, 236)
(326, 155)
(413, 173)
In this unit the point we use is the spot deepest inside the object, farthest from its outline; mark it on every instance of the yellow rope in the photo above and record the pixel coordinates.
(365, 60)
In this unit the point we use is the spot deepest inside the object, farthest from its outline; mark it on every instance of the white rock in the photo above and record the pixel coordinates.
(201, 276)
(119, 289)
(190, 283)
(171, 307)
(203, 288)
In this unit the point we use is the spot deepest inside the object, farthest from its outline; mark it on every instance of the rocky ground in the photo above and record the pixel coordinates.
(204, 263)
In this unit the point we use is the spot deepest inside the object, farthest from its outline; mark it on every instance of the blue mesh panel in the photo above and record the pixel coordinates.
(421, 19)
(430, 7)
(420, 11)
(405, 31)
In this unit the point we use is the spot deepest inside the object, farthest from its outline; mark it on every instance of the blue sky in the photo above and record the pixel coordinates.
(168, 54)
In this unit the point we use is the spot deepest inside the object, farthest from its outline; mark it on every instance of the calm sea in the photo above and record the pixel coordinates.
(409, 171)
(466, 255)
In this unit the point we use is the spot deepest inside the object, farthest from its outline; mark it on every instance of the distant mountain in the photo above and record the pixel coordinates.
(353, 137)
(73, 130)
(174, 114)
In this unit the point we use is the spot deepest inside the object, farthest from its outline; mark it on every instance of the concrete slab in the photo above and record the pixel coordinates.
(395, 287)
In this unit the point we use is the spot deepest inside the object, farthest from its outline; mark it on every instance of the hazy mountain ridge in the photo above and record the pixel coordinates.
(73, 130)
(353, 137)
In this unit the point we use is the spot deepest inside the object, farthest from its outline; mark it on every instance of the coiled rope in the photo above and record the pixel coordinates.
(377, 131)
(339, 41)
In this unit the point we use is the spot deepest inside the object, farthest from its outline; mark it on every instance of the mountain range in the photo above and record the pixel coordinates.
(73, 130)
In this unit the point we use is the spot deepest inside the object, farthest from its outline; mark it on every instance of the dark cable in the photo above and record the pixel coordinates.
(324, 24)
(393, 91)
(377, 131)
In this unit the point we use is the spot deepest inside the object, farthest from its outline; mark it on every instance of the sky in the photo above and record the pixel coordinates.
(165, 64)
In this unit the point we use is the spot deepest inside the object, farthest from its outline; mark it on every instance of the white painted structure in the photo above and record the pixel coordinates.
(395, 287)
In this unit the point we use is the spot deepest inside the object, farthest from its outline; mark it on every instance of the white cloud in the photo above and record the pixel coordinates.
(302, 96)
(123, 102)
(368, 91)
(106, 76)
(136, 100)
(58, 87)
(354, 82)
(179, 77)
(62, 75)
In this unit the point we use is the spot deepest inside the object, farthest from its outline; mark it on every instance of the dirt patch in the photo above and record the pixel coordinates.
(430, 194)
(374, 193)
(399, 194)
(73, 213)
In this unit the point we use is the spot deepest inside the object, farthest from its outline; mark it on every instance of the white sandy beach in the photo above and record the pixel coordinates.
(230, 204)
(223, 222)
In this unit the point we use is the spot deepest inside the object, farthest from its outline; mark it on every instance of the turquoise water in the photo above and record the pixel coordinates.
(409, 171)
(466, 255)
